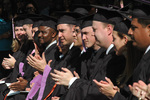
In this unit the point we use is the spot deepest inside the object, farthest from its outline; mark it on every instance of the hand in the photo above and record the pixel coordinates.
(106, 88)
(148, 91)
(55, 98)
(37, 62)
(137, 89)
(19, 85)
(62, 77)
(9, 63)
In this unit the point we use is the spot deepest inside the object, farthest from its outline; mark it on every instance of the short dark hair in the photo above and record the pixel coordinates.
(144, 22)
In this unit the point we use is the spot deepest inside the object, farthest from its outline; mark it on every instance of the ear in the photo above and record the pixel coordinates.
(126, 39)
(148, 27)
(54, 34)
(109, 29)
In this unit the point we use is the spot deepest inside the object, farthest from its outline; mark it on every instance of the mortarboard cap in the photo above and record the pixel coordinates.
(141, 9)
(68, 17)
(49, 22)
(107, 15)
(123, 26)
(19, 23)
(31, 18)
(86, 21)
(37, 23)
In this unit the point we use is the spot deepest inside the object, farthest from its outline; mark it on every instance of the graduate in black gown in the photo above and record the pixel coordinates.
(22, 73)
(66, 58)
(109, 65)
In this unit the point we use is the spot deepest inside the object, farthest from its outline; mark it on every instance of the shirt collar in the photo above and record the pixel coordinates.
(109, 48)
(50, 44)
(147, 49)
(71, 46)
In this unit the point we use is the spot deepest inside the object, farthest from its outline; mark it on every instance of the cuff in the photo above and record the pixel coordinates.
(71, 81)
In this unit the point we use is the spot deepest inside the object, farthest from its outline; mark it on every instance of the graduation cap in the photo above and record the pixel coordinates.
(123, 26)
(37, 23)
(86, 21)
(107, 15)
(49, 21)
(68, 17)
(142, 10)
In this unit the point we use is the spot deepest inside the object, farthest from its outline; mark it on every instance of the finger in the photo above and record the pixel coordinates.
(10, 56)
(76, 74)
(103, 82)
(55, 79)
(43, 56)
(131, 88)
(97, 83)
(65, 69)
(33, 59)
(49, 62)
(109, 81)
(55, 75)
(58, 72)
(20, 79)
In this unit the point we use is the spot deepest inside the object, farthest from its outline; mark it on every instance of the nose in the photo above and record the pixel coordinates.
(74, 34)
(59, 34)
(130, 32)
(83, 36)
(40, 34)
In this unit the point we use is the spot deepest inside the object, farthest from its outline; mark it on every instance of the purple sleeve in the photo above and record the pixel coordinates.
(43, 82)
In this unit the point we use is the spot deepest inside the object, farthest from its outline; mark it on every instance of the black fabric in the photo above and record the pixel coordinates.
(68, 61)
(67, 20)
(37, 23)
(27, 21)
(19, 23)
(83, 89)
(49, 23)
(107, 15)
(141, 9)
(123, 26)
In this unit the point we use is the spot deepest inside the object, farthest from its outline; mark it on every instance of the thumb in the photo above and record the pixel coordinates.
(43, 56)
(76, 74)
(49, 62)
(10, 56)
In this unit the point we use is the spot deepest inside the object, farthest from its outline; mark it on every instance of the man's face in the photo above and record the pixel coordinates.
(77, 37)
(28, 30)
(140, 34)
(100, 33)
(20, 34)
(88, 36)
(45, 35)
(65, 33)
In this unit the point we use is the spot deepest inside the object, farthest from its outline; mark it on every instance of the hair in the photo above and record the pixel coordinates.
(105, 25)
(133, 57)
(144, 22)
(15, 45)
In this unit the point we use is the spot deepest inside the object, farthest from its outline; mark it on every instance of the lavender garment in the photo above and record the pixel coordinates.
(43, 82)
(36, 86)
(21, 64)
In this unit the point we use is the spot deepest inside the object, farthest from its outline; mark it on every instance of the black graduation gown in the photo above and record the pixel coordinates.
(83, 89)
(28, 71)
(68, 61)
(141, 72)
